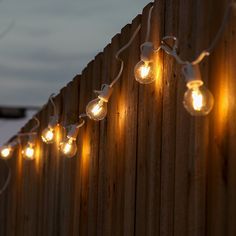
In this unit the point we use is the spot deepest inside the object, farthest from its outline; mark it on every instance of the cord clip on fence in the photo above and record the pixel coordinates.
(172, 49)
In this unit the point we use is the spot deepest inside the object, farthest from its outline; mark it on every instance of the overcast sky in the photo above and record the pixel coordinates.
(52, 40)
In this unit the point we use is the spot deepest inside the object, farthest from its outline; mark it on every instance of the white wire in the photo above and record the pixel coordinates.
(37, 124)
(4, 187)
(53, 103)
(83, 115)
(119, 59)
(81, 124)
(204, 53)
(149, 25)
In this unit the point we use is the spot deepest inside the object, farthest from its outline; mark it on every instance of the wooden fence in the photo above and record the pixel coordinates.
(149, 168)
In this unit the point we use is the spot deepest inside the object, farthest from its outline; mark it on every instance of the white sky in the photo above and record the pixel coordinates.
(50, 42)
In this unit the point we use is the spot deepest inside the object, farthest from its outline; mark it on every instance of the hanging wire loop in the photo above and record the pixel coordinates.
(53, 103)
(4, 187)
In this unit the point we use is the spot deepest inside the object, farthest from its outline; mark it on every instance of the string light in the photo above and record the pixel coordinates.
(97, 108)
(6, 151)
(144, 70)
(48, 134)
(68, 146)
(29, 150)
(198, 100)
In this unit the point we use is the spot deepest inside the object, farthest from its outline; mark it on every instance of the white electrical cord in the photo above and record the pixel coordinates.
(4, 187)
(173, 50)
(219, 33)
(32, 131)
(53, 103)
(81, 124)
(149, 25)
(37, 124)
(119, 59)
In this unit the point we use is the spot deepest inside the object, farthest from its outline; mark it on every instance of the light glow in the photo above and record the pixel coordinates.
(5, 152)
(144, 71)
(68, 147)
(197, 100)
(48, 135)
(97, 108)
(28, 152)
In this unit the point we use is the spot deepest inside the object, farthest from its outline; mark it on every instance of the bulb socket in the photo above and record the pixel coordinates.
(53, 121)
(32, 139)
(192, 75)
(147, 52)
(105, 93)
(73, 132)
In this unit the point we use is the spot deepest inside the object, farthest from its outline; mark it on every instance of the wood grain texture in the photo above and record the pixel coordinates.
(148, 168)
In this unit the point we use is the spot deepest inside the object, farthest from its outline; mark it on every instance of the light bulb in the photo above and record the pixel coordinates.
(198, 100)
(68, 147)
(6, 152)
(144, 72)
(48, 135)
(28, 152)
(97, 109)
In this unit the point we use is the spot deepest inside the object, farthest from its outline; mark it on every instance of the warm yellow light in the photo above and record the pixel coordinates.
(48, 135)
(6, 152)
(68, 147)
(197, 100)
(144, 71)
(97, 109)
(28, 152)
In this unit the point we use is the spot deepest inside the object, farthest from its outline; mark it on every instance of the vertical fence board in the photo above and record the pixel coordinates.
(93, 134)
(104, 186)
(149, 137)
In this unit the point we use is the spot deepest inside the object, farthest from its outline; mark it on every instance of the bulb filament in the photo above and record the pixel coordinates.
(97, 108)
(144, 71)
(197, 100)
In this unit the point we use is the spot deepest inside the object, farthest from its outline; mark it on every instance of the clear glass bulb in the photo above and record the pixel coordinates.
(6, 152)
(48, 135)
(198, 100)
(68, 147)
(97, 109)
(144, 72)
(28, 152)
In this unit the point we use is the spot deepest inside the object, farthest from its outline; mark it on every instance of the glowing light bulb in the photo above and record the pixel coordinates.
(198, 100)
(68, 147)
(48, 135)
(144, 72)
(28, 152)
(97, 109)
(6, 152)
